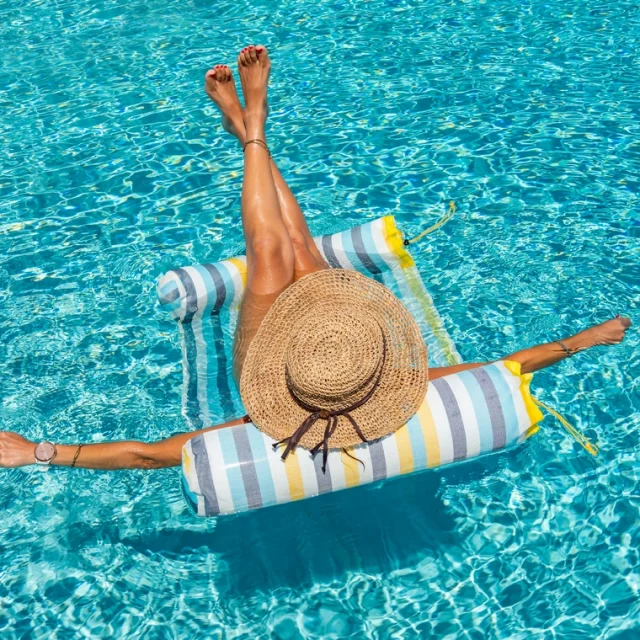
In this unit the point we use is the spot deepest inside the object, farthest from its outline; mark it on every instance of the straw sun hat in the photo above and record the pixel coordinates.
(338, 360)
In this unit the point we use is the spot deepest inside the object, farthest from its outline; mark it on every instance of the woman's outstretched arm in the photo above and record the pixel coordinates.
(16, 451)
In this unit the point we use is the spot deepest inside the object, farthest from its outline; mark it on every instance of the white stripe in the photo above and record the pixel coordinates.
(380, 242)
(341, 254)
(336, 469)
(524, 421)
(218, 472)
(238, 285)
(170, 276)
(278, 471)
(391, 456)
(441, 423)
(469, 418)
(192, 477)
(308, 472)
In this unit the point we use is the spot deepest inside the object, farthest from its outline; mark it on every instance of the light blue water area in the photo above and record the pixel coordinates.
(114, 168)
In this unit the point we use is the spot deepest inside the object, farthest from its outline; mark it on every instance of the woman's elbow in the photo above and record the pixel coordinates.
(158, 457)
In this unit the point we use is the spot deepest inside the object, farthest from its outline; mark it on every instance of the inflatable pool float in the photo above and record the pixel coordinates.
(236, 469)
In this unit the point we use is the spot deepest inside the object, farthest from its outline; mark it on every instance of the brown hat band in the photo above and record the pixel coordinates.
(330, 416)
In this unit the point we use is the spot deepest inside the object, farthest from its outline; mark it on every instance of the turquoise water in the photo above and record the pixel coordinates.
(114, 169)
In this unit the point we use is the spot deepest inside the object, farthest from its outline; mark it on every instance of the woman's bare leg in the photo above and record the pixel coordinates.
(270, 259)
(544, 355)
(220, 87)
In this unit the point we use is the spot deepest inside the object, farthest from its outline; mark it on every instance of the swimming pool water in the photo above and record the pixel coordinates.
(114, 169)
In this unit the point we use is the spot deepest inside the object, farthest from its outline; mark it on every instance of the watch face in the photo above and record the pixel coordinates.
(44, 451)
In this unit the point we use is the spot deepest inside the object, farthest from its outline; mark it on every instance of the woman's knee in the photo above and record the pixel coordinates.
(306, 255)
(271, 250)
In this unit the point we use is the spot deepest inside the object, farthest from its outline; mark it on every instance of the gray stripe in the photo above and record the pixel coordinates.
(456, 426)
(329, 253)
(221, 289)
(191, 300)
(361, 252)
(192, 404)
(247, 467)
(205, 480)
(324, 479)
(492, 398)
(376, 451)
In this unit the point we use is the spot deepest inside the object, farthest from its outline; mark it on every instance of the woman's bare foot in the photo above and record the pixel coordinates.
(607, 333)
(254, 67)
(221, 88)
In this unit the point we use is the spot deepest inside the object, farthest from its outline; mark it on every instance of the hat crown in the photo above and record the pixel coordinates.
(332, 358)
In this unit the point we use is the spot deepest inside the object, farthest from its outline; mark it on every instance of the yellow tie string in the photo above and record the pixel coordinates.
(582, 440)
(445, 218)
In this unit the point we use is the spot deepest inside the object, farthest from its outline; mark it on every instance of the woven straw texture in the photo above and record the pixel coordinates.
(326, 337)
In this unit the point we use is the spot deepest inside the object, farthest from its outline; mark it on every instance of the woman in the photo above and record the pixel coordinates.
(314, 386)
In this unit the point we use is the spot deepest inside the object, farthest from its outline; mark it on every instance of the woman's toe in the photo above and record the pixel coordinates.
(251, 54)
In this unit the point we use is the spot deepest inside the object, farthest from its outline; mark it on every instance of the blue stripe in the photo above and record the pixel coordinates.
(261, 463)
(417, 443)
(205, 479)
(481, 408)
(169, 293)
(171, 306)
(506, 402)
(232, 469)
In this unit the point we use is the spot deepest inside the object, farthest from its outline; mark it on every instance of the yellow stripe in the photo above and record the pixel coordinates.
(294, 476)
(351, 472)
(405, 454)
(186, 460)
(395, 242)
(430, 435)
(535, 415)
(241, 266)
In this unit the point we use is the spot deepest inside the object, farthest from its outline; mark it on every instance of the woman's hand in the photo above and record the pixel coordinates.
(15, 451)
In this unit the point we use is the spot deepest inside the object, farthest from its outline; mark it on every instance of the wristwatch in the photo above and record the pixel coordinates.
(44, 453)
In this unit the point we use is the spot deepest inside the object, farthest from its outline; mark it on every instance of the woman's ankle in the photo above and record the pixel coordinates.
(254, 120)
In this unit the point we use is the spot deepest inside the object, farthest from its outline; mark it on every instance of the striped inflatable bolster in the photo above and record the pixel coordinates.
(204, 299)
(464, 415)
